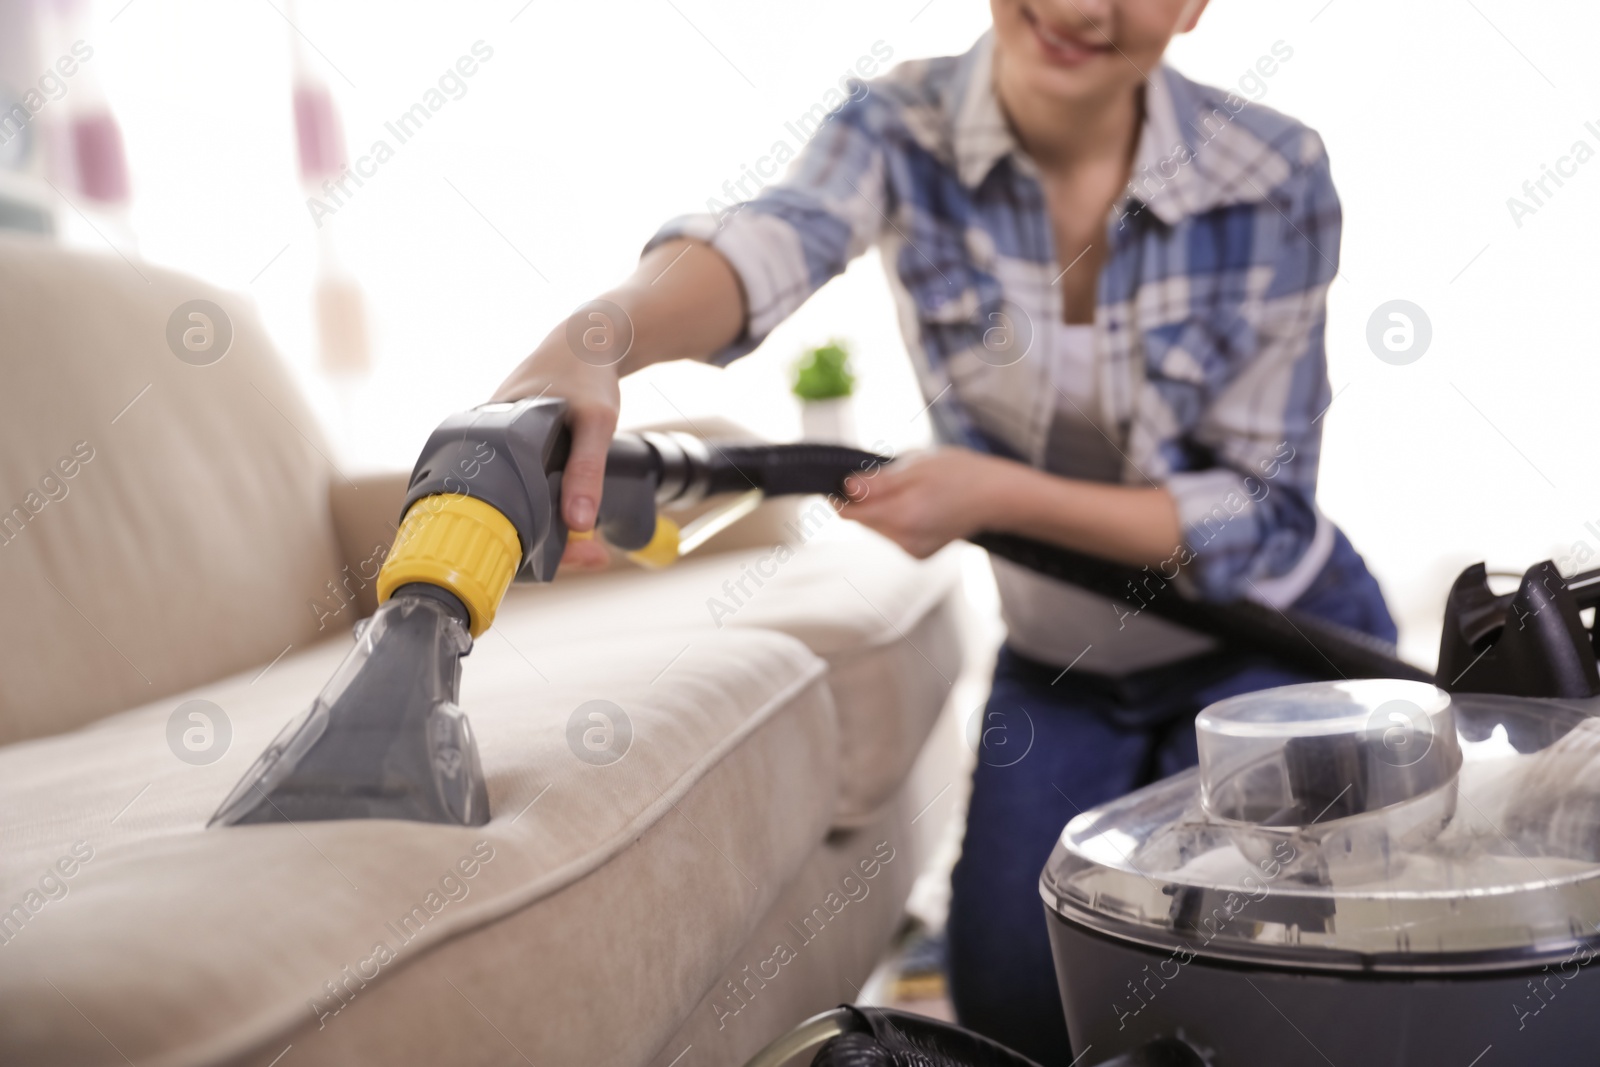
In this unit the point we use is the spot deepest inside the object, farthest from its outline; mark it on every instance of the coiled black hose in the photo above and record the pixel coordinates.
(879, 1037)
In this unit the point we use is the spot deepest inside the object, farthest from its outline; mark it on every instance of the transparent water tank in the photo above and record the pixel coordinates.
(1355, 826)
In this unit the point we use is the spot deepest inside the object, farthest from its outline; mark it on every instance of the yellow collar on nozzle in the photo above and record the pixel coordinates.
(458, 543)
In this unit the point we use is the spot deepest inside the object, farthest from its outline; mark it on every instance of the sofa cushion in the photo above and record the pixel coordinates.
(886, 624)
(631, 882)
(190, 538)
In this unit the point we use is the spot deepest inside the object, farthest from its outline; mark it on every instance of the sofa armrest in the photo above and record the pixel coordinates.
(366, 513)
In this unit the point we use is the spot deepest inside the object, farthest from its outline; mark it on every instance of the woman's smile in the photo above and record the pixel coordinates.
(1065, 47)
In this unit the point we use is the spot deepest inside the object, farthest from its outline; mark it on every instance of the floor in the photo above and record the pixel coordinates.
(911, 976)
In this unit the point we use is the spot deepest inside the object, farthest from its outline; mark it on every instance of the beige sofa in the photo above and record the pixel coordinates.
(174, 532)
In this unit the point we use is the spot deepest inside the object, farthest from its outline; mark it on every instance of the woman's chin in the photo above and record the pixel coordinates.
(1062, 85)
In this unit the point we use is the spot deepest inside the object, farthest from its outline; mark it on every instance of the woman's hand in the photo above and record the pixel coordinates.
(924, 502)
(589, 386)
(683, 301)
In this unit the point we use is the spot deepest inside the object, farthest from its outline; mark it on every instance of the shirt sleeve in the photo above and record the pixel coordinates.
(1250, 520)
(795, 235)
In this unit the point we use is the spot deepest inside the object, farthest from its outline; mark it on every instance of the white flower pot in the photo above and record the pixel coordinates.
(830, 421)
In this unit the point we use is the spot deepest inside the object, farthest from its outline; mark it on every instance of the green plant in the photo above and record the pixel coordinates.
(823, 373)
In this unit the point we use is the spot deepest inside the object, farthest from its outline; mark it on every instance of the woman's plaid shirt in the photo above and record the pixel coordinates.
(1210, 311)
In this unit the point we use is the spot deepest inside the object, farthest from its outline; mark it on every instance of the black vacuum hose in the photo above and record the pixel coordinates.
(783, 470)
(1314, 646)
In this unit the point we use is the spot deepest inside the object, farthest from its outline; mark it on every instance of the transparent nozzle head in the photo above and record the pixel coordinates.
(384, 739)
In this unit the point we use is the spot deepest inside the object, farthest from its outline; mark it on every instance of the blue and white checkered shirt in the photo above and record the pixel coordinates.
(1211, 305)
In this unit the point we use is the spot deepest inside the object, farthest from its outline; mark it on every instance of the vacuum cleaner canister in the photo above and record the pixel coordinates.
(1363, 872)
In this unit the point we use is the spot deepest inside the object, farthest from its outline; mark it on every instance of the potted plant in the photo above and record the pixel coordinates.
(823, 381)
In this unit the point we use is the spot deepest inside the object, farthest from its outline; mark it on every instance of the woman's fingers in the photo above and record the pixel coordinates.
(592, 428)
(554, 370)
(883, 484)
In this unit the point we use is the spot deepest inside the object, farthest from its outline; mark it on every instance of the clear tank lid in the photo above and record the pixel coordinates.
(1360, 825)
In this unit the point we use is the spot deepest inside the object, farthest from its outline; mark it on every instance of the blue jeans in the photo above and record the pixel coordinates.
(1056, 745)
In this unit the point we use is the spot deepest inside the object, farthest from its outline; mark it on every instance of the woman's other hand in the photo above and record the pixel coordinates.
(925, 501)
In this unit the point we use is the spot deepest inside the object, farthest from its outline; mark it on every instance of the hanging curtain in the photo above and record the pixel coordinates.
(58, 134)
(342, 342)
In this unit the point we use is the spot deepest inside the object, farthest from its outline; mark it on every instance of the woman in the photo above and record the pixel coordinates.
(1113, 282)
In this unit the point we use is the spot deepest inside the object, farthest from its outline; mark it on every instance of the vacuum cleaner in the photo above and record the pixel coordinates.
(1361, 871)
(1368, 869)
(1373, 871)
